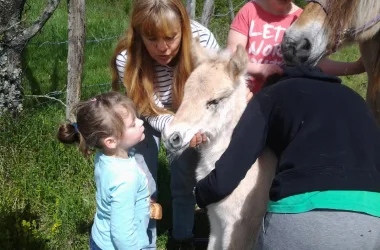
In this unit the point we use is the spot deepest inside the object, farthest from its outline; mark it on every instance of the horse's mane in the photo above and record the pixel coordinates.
(340, 12)
(343, 12)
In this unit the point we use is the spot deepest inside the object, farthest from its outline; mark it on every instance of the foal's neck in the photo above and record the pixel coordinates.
(212, 152)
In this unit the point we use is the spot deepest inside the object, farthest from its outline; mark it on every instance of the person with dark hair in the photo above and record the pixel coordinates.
(326, 190)
(108, 123)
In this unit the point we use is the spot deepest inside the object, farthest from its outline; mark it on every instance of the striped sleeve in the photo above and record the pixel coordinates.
(206, 37)
(159, 122)
(121, 60)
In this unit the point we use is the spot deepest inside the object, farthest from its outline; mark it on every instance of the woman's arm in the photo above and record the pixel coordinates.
(121, 60)
(341, 68)
(159, 122)
(257, 70)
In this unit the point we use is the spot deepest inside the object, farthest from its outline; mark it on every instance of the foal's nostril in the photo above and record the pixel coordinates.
(175, 140)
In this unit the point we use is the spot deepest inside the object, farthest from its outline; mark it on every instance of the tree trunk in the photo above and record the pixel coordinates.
(190, 7)
(10, 80)
(208, 9)
(13, 38)
(75, 58)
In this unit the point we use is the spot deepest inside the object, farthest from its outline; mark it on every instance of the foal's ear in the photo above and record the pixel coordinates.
(237, 65)
(198, 53)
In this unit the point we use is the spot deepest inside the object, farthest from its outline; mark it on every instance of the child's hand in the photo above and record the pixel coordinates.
(249, 94)
(197, 139)
(155, 211)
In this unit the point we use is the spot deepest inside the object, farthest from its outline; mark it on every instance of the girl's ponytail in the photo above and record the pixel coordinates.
(68, 133)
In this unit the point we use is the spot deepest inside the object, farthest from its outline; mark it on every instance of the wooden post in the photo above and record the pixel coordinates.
(208, 9)
(190, 7)
(231, 10)
(75, 58)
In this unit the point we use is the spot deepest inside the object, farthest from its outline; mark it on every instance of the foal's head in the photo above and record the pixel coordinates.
(210, 96)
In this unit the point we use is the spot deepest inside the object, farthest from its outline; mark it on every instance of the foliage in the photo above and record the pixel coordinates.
(47, 189)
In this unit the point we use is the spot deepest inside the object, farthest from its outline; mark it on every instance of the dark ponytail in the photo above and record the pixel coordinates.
(68, 134)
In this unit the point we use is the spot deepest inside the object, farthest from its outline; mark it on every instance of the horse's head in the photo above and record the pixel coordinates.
(324, 25)
(212, 93)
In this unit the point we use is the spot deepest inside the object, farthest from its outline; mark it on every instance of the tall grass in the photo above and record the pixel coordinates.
(47, 189)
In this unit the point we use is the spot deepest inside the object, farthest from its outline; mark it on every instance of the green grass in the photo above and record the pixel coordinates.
(47, 189)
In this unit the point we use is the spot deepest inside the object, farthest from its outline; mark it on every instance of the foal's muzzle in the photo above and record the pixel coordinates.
(174, 142)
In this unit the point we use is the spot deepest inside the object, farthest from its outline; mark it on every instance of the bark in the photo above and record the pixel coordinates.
(13, 38)
(190, 7)
(208, 9)
(10, 80)
(75, 56)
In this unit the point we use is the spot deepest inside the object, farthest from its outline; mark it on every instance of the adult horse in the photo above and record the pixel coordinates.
(214, 99)
(325, 25)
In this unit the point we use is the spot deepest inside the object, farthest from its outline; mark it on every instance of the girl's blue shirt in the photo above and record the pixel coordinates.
(122, 204)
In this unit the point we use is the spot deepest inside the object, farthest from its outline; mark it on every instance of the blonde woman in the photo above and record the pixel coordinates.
(153, 62)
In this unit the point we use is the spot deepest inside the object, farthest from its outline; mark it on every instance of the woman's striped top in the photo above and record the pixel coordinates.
(164, 76)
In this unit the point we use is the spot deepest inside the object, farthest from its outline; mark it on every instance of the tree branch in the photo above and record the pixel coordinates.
(48, 97)
(208, 9)
(31, 31)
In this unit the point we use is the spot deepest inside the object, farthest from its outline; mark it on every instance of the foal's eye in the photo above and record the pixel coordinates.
(212, 103)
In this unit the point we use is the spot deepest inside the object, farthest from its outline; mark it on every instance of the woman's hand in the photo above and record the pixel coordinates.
(197, 139)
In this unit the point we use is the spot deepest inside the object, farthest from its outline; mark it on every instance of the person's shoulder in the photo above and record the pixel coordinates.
(122, 56)
(196, 27)
(118, 166)
(251, 6)
(207, 38)
(296, 10)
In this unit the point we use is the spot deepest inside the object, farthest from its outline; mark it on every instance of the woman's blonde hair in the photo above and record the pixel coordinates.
(151, 18)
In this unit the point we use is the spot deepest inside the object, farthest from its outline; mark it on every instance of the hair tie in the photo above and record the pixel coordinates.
(75, 127)
(93, 99)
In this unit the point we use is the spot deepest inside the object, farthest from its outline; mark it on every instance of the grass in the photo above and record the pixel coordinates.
(47, 189)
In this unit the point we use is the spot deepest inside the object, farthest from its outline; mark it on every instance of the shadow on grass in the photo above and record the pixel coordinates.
(17, 230)
(84, 227)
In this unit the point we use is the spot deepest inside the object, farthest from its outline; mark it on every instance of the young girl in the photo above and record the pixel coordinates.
(153, 61)
(108, 123)
(259, 26)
